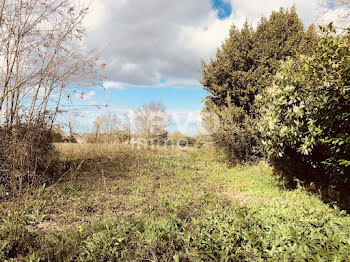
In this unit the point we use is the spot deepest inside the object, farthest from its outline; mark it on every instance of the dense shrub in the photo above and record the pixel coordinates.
(305, 115)
(121, 136)
(57, 136)
(187, 141)
(27, 157)
(243, 67)
(183, 141)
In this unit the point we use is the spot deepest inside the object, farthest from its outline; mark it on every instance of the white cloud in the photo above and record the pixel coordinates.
(89, 95)
(85, 96)
(142, 41)
(340, 17)
(252, 10)
(112, 84)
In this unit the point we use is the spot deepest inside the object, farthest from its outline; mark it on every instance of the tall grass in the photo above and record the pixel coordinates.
(118, 204)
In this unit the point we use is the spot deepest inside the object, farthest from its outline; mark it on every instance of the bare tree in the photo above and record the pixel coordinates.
(109, 124)
(127, 126)
(152, 119)
(97, 127)
(41, 56)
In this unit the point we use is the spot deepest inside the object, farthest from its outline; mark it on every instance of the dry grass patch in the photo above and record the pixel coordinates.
(105, 180)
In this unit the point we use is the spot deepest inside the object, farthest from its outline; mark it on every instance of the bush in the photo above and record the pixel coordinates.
(27, 157)
(305, 115)
(70, 139)
(237, 136)
(187, 141)
(183, 142)
(244, 65)
(57, 137)
(121, 136)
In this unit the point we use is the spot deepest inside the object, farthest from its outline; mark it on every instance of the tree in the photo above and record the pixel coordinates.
(305, 115)
(177, 135)
(97, 127)
(127, 126)
(41, 55)
(71, 137)
(243, 67)
(107, 126)
(152, 120)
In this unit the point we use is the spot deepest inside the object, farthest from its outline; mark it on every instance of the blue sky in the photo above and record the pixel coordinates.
(153, 50)
(189, 97)
(176, 96)
(182, 99)
(224, 8)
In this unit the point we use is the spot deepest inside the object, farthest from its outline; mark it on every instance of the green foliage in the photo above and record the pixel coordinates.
(244, 66)
(201, 211)
(219, 234)
(187, 141)
(121, 136)
(269, 233)
(305, 115)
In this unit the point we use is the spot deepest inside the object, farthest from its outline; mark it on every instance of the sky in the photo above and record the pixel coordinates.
(153, 51)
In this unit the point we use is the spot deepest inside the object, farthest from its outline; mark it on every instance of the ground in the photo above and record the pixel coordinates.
(115, 203)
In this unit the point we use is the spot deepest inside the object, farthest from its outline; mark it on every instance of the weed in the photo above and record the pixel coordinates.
(185, 205)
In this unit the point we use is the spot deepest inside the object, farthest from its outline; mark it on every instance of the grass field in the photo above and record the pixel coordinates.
(118, 204)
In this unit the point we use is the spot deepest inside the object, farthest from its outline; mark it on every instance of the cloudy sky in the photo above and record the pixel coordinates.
(153, 48)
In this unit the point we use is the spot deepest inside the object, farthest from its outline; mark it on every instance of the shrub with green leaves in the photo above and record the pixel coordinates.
(305, 114)
(244, 65)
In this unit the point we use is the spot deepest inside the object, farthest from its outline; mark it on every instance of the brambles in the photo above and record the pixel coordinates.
(27, 158)
(41, 58)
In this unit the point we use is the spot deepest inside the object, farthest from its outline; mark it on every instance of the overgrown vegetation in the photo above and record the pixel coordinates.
(27, 158)
(305, 114)
(243, 67)
(282, 94)
(173, 205)
(41, 58)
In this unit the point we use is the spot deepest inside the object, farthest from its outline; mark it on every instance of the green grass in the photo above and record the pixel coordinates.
(169, 205)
